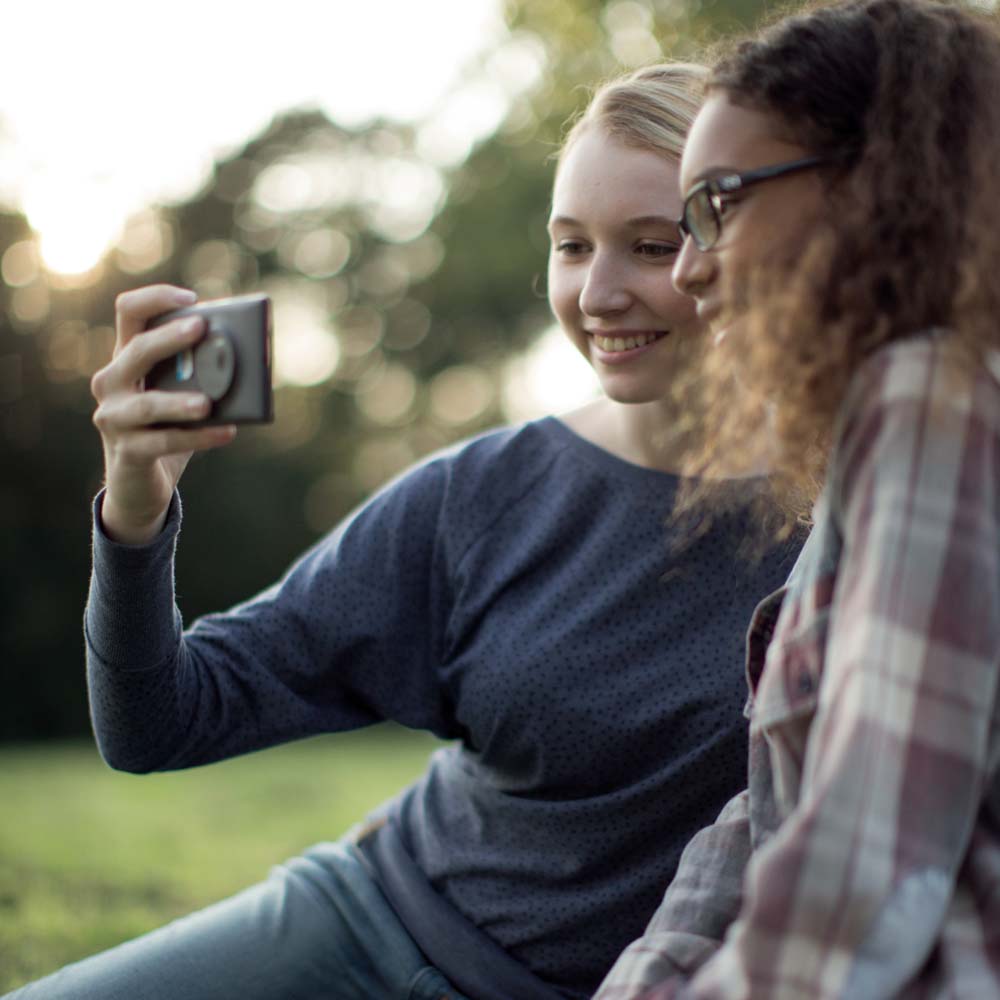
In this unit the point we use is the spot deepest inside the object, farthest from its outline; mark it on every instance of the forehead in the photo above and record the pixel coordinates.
(599, 176)
(726, 137)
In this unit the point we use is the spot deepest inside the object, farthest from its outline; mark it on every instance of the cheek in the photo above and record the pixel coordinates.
(784, 220)
(755, 252)
(793, 233)
(563, 292)
(755, 269)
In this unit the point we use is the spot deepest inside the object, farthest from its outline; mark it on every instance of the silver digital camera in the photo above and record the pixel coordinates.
(231, 364)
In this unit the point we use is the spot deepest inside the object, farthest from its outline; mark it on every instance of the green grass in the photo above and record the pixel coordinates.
(90, 857)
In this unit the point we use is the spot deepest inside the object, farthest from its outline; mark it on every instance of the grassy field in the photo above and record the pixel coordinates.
(90, 857)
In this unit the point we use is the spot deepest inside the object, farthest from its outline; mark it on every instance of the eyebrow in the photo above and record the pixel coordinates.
(639, 220)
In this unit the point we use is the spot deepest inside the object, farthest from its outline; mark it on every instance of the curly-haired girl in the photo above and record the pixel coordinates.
(842, 237)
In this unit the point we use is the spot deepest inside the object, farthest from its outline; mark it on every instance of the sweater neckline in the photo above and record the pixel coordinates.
(604, 459)
(623, 469)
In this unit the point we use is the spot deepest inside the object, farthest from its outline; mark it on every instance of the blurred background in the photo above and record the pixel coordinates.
(382, 170)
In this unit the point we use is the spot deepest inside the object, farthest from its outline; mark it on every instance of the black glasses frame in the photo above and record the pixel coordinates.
(719, 188)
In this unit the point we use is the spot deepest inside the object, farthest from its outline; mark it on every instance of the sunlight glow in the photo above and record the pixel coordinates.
(76, 221)
(549, 377)
(107, 112)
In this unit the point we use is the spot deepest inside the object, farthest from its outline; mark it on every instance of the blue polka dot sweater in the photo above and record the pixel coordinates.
(514, 595)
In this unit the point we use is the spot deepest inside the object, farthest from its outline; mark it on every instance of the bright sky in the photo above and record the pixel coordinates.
(110, 104)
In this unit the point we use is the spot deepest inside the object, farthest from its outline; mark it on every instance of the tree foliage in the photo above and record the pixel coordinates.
(402, 285)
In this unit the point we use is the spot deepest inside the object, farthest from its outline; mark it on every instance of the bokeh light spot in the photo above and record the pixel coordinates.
(306, 348)
(146, 241)
(31, 304)
(66, 352)
(403, 195)
(360, 330)
(388, 399)
(284, 187)
(19, 265)
(320, 253)
(409, 322)
(461, 394)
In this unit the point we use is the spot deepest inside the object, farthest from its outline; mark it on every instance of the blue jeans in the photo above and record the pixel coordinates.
(319, 928)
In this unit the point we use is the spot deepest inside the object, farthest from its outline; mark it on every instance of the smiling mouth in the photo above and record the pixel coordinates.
(614, 345)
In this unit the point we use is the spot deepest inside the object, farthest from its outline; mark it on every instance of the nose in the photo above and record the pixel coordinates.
(693, 270)
(605, 290)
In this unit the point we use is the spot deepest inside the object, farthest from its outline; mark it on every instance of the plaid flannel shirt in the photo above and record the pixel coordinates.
(863, 860)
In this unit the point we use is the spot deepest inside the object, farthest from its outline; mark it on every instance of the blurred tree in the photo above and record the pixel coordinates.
(405, 264)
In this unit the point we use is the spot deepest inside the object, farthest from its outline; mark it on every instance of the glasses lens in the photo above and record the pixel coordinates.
(701, 219)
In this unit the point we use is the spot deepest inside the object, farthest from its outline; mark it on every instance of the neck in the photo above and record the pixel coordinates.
(650, 435)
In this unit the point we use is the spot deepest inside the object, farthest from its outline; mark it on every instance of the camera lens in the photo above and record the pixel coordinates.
(215, 365)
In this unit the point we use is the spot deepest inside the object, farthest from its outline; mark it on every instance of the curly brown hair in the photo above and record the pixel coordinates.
(906, 93)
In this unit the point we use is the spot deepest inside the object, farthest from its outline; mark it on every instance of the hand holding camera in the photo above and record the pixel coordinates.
(231, 364)
(181, 376)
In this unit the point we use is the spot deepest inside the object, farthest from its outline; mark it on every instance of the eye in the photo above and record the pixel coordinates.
(571, 248)
(724, 205)
(657, 250)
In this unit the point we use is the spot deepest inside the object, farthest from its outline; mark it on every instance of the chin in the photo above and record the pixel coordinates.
(635, 395)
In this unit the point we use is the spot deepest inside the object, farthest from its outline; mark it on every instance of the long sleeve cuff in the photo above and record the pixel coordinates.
(130, 618)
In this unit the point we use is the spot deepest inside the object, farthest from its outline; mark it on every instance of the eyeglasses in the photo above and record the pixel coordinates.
(703, 206)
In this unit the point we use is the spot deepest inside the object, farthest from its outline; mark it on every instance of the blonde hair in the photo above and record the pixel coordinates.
(651, 108)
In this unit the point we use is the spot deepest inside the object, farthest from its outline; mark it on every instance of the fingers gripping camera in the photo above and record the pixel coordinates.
(231, 364)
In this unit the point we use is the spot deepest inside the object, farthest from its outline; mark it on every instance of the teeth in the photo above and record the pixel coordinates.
(614, 344)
